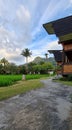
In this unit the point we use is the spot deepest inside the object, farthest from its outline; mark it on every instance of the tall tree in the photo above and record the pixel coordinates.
(26, 53)
(4, 61)
(46, 55)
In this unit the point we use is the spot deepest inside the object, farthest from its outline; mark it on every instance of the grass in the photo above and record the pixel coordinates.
(7, 80)
(36, 76)
(11, 86)
(69, 83)
(19, 88)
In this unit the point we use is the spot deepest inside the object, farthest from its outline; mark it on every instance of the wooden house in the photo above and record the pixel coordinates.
(58, 58)
(63, 30)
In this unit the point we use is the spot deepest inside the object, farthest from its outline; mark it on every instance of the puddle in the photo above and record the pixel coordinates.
(63, 108)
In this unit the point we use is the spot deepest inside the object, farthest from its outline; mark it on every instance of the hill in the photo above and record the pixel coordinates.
(38, 60)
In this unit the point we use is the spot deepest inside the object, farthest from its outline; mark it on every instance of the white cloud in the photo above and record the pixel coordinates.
(71, 1)
(20, 21)
(23, 15)
(23, 24)
(2, 7)
(7, 38)
(14, 57)
(40, 51)
(54, 46)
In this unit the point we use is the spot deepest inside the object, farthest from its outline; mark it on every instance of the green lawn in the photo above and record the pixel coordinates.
(19, 88)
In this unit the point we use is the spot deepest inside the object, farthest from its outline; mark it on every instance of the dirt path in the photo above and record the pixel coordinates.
(48, 108)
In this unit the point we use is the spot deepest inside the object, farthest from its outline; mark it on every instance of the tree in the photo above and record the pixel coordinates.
(26, 53)
(46, 55)
(4, 61)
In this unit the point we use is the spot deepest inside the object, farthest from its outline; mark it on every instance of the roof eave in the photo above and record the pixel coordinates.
(49, 28)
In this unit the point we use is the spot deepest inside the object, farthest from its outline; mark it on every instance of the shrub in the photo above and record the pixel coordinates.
(70, 77)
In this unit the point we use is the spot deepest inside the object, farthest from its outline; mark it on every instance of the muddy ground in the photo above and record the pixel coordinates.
(47, 108)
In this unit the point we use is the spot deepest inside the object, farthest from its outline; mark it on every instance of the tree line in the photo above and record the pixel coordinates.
(32, 68)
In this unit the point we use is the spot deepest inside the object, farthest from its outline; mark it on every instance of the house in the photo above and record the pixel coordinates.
(62, 28)
(58, 58)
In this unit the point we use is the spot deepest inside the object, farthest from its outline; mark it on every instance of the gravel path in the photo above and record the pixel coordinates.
(47, 108)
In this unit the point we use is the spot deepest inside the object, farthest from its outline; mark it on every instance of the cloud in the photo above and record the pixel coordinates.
(14, 57)
(71, 1)
(51, 11)
(43, 48)
(23, 15)
(21, 26)
(6, 38)
(54, 46)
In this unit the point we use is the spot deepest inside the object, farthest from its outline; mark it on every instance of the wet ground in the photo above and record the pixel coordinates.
(47, 108)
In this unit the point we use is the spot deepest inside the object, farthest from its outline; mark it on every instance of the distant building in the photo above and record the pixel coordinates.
(63, 30)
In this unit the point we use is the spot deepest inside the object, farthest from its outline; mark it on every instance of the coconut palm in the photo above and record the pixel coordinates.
(26, 53)
(4, 61)
(46, 55)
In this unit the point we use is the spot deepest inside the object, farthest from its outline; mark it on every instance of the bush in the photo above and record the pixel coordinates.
(70, 77)
(67, 78)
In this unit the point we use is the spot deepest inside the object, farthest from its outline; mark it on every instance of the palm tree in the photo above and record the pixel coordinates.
(4, 61)
(26, 53)
(46, 55)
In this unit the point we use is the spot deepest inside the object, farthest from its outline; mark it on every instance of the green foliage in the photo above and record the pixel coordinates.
(70, 77)
(36, 76)
(19, 88)
(4, 61)
(26, 52)
(7, 80)
(67, 78)
(43, 68)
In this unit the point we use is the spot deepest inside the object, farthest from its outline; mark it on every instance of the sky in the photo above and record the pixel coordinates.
(21, 26)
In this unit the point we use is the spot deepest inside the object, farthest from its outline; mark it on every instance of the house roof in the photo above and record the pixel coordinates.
(57, 54)
(61, 27)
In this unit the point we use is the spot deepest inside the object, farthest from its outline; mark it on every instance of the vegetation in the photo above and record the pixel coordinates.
(19, 88)
(4, 61)
(43, 68)
(66, 80)
(38, 59)
(11, 68)
(46, 55)
(26, 53)
(7, 80)
(36, 76)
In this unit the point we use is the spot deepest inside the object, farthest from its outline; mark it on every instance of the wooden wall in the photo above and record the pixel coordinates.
(67, 69)
(67, 47)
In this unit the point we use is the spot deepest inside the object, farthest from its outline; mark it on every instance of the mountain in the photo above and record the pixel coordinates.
(38, 60)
